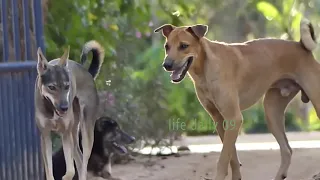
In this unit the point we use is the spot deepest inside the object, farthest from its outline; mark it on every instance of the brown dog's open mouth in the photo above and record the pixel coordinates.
(178, 74)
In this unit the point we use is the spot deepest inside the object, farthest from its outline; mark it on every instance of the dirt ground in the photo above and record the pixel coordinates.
(257, 165)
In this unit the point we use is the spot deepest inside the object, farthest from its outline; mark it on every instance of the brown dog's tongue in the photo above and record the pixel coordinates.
(175, 75)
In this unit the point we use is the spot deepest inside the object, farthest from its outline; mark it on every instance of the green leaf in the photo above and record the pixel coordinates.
(287, 6)
(296, 20)
(268, 10)
(295, 25)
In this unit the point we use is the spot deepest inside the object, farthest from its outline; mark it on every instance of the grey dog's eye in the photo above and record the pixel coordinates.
(51, 87)
(66, 87)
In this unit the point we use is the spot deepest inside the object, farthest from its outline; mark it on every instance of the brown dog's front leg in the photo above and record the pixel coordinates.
(220, 127)
(229, 140)
(234, 162)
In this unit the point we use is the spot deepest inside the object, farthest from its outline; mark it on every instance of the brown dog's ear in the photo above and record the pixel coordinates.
(198, 30)
(166, 29)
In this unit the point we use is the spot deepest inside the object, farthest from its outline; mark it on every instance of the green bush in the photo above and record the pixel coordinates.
(314, 122)
(254, 121)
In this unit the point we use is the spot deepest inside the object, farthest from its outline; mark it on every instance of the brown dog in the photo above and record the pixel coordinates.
(230, 78)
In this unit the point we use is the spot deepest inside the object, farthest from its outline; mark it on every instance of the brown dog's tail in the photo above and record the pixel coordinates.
(97, 56)
(308, 39)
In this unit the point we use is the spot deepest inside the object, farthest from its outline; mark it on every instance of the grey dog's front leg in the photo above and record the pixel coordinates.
(68, 146)
(46, 151)
(77, 150)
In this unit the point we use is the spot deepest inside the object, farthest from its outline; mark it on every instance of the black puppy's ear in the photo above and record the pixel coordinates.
(198, 30)
(166, 29)
(99, 126)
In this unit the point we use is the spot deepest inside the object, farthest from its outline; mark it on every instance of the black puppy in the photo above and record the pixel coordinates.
(108, 139)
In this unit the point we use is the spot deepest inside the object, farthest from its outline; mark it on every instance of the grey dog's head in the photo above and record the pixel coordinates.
(54, 81)
(113, 137)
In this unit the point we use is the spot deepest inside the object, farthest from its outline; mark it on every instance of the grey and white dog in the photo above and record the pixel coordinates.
(66, 101)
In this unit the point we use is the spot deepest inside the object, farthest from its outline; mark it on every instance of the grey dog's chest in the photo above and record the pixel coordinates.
(54, 123)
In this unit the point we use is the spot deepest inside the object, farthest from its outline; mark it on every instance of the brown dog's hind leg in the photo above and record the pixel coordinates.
(275, 105)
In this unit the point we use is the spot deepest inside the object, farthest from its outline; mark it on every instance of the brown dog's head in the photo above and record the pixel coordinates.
(182, 48)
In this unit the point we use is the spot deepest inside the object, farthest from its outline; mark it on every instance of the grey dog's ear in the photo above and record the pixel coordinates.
(166, 29)
(198, 30)
(64, 58)
(42, 64)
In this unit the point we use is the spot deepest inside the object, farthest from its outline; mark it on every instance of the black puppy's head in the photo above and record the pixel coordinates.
(113, 137)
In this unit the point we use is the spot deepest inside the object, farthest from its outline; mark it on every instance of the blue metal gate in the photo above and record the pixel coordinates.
(21, 32)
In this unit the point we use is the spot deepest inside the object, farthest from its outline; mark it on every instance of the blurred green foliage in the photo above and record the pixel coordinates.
(314, 121)
(140, 94)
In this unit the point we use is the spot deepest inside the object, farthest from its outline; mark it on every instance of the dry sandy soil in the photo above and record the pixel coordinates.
(257, 165)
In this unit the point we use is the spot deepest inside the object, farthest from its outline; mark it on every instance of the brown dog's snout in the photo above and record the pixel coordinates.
(168, 64)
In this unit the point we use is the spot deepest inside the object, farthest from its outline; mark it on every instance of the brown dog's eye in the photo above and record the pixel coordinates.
(183, 46)
(167, 47)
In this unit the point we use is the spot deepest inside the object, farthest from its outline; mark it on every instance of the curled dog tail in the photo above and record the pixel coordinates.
(97, 56)
(308, 39)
